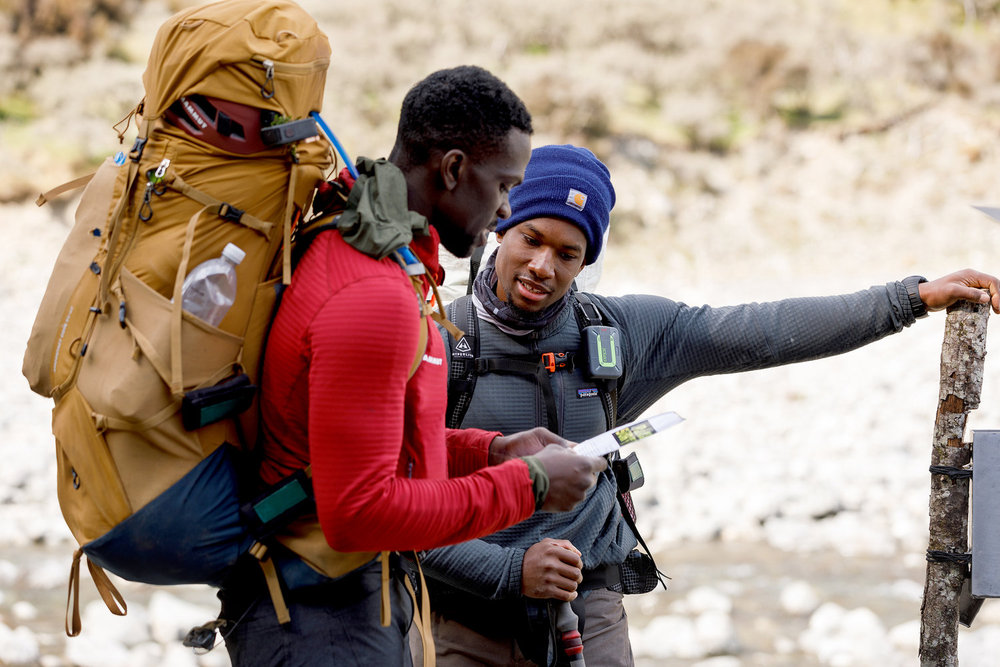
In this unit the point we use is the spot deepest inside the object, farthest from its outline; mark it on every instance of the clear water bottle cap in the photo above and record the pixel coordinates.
(233, 253)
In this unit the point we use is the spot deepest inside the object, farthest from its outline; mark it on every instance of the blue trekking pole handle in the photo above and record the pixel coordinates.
(336, 142)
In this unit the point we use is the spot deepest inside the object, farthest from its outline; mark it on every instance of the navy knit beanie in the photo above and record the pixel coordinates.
(566, 182)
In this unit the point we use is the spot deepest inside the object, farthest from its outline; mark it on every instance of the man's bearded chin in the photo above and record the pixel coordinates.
(521, 313)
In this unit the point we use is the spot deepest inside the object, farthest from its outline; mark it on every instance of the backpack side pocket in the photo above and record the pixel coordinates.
(53, 346)
(88, 486)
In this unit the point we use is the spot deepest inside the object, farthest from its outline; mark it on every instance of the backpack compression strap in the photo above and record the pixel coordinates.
(75, 184)
(421, 609)
(223, 210)
(112, 598)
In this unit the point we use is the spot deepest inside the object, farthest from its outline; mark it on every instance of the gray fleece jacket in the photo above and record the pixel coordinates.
(664, 343)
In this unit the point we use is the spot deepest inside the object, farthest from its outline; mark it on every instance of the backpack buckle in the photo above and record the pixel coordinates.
(229, 212)
(136, 153)
(556, 361)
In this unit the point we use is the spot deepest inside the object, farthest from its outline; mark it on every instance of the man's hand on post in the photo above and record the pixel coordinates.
(552, 569)
(967, 284)
(570, 476)
(525, 443)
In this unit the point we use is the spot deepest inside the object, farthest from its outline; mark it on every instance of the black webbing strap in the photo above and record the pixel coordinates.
(532, 368)
(630, 520)
(589, 315)
(304, 239)
(474, 262)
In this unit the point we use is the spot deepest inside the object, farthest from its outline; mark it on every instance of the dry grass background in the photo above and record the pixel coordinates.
(759, 150)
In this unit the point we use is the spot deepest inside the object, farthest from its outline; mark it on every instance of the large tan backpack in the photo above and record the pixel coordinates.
(151, 402)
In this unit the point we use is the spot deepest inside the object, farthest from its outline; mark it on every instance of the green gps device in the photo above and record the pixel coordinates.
(604, 356)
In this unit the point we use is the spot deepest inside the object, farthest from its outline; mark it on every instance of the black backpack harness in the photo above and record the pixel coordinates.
(466, 366)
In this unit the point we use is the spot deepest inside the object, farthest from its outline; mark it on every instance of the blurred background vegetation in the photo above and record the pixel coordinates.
(685, 101)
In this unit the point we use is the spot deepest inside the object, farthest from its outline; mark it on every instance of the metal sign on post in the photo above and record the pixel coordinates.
(986, 514)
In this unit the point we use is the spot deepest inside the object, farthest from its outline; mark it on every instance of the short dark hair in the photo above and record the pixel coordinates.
(464, 107)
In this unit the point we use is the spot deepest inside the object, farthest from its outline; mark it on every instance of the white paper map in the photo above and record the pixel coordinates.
(609, 441)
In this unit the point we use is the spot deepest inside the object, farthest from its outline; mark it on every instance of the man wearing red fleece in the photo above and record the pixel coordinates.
(337, 391)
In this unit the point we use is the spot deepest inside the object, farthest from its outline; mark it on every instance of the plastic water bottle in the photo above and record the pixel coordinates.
(210, 288)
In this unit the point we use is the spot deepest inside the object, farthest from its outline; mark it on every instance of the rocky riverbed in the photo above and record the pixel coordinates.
(760, 150)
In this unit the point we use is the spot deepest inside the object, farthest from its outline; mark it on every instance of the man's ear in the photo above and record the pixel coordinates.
(453, 167)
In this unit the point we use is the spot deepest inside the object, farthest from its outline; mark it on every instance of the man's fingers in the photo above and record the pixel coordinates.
(561, 594)
(546, 437)
(551, 569)
(990, 296)
(597, 463)
(981, 288)
(994, 296)
(566, 544)
(570, 476)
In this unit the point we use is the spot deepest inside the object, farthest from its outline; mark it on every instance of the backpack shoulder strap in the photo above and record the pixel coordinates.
(474, 262)
(305, 237)
(414, 269)
(421, 349)
(589, 315)
(461, 368)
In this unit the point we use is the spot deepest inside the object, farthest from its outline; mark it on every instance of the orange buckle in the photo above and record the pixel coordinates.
(553, 361)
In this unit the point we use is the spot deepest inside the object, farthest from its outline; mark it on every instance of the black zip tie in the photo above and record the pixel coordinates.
(952, 471)
(935, 556)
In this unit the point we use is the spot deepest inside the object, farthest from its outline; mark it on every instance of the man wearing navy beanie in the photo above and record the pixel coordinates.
(569, 183)
(525, 362)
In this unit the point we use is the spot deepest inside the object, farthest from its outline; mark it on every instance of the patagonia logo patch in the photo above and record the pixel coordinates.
(586, 393)
(576, 199)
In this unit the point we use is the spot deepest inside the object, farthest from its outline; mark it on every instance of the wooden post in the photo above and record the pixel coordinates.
(962, 355)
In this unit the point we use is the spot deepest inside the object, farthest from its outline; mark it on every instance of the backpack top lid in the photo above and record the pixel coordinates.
(223, 49)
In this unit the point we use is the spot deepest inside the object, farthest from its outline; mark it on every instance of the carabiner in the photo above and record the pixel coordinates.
(267, 89)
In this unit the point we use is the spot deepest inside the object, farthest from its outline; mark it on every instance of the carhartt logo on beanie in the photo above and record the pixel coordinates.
(569, 183)
(576, 199)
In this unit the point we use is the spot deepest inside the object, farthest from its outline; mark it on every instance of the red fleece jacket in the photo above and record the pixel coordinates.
(335, 392)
